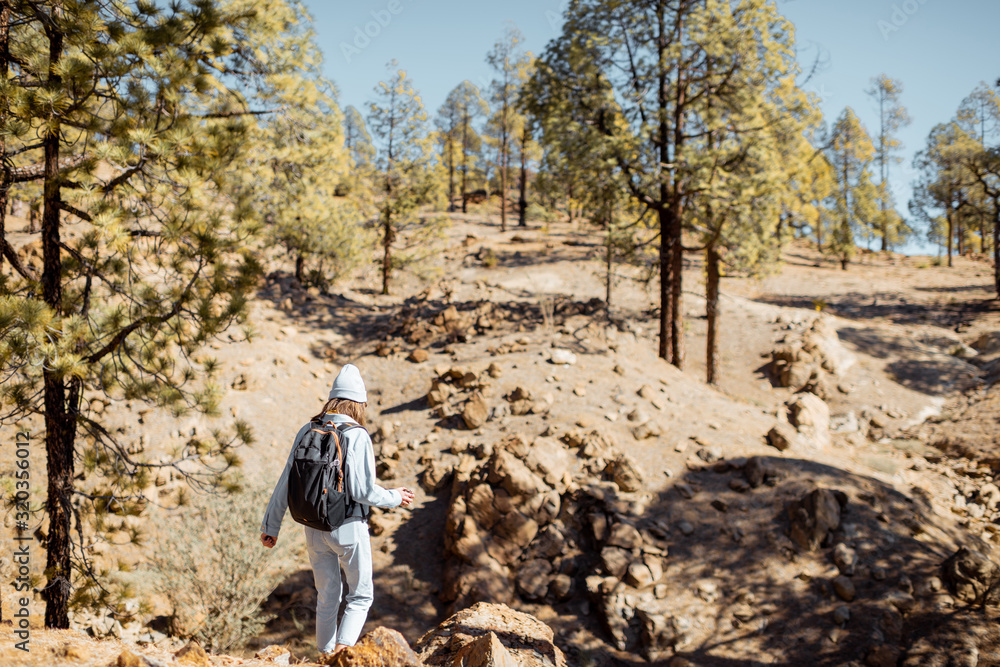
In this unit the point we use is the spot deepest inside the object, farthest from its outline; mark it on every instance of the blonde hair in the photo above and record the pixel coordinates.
(344, 406)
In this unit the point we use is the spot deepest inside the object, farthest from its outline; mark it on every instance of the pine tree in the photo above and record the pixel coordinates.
(856, 197)
(460, 112)
(510, 65)
(357, 141)
(404, 178)
(134, 119)
(979, 116)
(651, 59)
(942, 192)
(886, 92)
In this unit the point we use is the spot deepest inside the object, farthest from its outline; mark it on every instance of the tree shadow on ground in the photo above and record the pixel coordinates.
(767, 600)
(892, 307)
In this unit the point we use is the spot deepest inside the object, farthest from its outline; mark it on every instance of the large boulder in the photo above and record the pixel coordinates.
(811, 417)
(517, 639)
(971, 576)
(381, 647)
(801, 361)
(815, 516)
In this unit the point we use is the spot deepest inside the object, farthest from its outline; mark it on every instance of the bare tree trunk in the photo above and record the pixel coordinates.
(712, 312)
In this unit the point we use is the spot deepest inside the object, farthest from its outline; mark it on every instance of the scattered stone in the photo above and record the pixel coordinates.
(435, 476)
(619, 369)
(638, 416)
(755, 470)
(647, 392)
(192, 655)
(278, 655)
(844, 588)
(883, 656)
(419, 355)
(475, 412)
(845, 423)
(562, 357)
(739, 485)
(623, 471)
(645, 430)
(685, 527)
(125, 659)
(580, 390)
(842, 614)
(815, 516)
(811, 417)
(989, 495)
(782, 437)
(534, 577)
(494, 370)
(845, 558)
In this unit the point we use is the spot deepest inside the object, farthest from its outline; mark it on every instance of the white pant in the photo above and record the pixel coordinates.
(349, 547)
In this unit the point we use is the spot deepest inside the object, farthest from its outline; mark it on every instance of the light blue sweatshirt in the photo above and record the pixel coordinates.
(361, 479)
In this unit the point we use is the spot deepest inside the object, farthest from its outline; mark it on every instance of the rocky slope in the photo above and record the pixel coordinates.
(804, 511)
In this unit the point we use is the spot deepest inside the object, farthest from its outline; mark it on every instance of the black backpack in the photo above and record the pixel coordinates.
(318, 495)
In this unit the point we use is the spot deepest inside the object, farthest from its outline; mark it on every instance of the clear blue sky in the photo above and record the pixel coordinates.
(939, 49)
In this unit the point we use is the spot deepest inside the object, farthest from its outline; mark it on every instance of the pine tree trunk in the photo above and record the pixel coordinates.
(59, 424)
(712, 313)
(676, 287)
(951, 231)
(300, 263)
(609, 265)
(465, 164)
(451, 175)
(522, 202)
(4, 167)
(996, 246)
(569, 200)
(387, 234)
(503, 184)
(666, 314)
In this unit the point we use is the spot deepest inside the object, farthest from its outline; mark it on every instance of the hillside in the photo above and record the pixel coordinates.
(637, 511)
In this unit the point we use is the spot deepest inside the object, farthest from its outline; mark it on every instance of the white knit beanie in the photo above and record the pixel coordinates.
(349, 385)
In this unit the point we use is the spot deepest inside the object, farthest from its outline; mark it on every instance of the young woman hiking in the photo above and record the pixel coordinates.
(347, 546)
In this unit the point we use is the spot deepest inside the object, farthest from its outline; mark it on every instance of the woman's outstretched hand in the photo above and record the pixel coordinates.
(407, 496)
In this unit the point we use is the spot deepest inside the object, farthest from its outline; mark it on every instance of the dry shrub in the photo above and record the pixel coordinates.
(213, 570)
